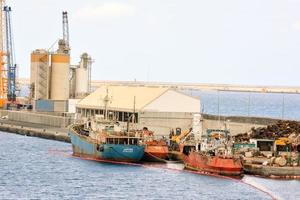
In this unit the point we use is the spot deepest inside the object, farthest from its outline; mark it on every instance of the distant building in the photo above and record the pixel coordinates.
(158, 108)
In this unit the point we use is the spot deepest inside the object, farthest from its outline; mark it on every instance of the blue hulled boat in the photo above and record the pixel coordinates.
(107, 142)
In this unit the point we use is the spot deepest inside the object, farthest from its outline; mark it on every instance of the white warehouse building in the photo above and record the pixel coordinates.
(158, 108)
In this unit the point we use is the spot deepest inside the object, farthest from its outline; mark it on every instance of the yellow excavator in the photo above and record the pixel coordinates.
(282, 141)
(283, 144)
(178, 138)
(179, 135)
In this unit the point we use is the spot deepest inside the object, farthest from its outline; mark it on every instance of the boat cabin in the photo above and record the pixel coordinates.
(263, 144)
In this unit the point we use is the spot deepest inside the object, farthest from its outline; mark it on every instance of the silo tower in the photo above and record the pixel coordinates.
(60, 69)
(82, 75)
(39, 74)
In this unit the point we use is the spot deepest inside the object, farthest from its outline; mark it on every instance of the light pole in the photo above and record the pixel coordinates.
(282, 111)
(249, 104)
(219, 109)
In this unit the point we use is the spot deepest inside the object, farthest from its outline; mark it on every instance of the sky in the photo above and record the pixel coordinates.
(254, 42)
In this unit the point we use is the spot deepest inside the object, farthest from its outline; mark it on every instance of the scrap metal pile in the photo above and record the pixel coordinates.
(282, 129)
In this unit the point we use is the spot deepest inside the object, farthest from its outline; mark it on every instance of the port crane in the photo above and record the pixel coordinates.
(11, 66)
(7, 60)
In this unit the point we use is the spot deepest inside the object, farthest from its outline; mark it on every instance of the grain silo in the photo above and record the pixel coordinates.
(39, 74)
(60, 68)
(83, 76)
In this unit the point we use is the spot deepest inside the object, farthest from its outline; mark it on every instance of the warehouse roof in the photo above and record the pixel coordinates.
(122, 97)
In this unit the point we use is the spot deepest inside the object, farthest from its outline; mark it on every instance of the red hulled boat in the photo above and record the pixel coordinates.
(213, 154)
(213, 164)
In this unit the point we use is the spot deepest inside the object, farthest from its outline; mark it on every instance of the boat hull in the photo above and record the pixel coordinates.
(156, 151)
(213, 164)
(83, 147)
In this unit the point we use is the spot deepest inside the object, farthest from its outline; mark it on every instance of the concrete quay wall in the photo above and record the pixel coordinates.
(46, 133)
(37, 118)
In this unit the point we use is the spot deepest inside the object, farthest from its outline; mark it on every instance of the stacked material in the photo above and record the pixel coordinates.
(282, 129)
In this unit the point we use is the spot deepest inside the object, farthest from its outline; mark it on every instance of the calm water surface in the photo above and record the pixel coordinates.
(33, 168)
(275, 105)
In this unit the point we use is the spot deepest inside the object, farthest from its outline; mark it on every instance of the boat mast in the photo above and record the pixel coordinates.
(106, 100)
(133, 118)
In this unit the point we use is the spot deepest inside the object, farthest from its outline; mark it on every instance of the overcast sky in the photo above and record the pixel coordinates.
(253, 42)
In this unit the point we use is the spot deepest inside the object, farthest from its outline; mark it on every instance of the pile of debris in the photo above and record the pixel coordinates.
(282, 129)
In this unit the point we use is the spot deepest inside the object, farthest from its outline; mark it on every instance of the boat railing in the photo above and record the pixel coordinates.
(78, 128)
(123, 140)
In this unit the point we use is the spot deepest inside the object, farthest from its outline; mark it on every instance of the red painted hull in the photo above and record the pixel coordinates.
(213, 164)
(156, 151)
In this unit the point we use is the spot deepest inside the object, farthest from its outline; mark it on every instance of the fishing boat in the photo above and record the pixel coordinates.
(213, 155)
(105, 140)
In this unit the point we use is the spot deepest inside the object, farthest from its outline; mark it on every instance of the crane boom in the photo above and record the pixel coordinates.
(66, 29)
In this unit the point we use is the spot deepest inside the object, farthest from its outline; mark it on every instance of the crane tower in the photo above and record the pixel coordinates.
(3, 78)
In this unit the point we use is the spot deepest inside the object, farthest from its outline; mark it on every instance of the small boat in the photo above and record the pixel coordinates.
(106, 141)
(213, 155)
